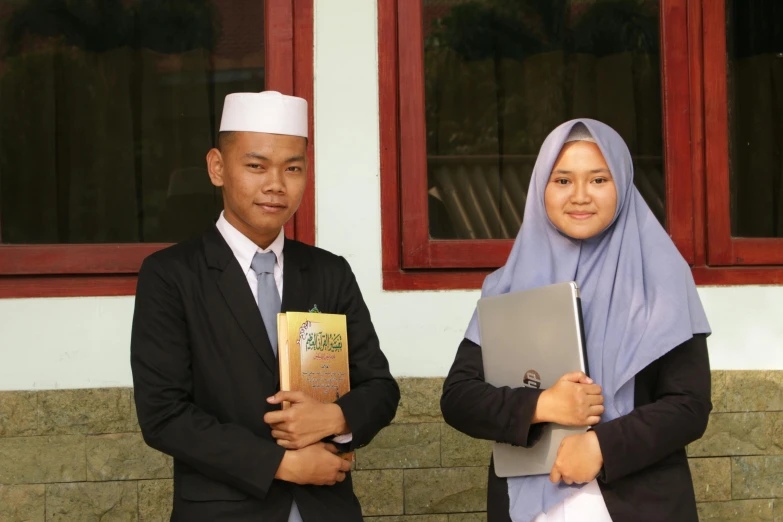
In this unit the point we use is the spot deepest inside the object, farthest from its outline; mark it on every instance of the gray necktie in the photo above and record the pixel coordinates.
(268, 297)
(269, 305)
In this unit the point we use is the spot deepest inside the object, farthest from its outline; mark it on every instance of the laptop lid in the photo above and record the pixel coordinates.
(531, 339)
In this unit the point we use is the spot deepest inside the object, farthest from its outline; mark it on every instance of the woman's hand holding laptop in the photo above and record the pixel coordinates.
(575, 400)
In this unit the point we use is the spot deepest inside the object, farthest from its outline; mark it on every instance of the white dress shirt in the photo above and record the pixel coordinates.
(244, 249)
(586, 505)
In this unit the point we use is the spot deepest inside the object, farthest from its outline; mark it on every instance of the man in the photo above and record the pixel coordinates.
(204, 341)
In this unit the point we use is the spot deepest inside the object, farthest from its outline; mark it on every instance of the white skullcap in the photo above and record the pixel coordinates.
(267, 111)
(579, 133)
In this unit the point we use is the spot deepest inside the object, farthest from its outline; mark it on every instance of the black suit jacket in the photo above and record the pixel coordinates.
(203, 369)
(645, 477)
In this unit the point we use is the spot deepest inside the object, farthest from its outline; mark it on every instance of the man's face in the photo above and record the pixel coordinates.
(263, 177)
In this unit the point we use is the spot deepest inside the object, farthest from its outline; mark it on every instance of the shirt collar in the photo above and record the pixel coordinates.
(244, 248)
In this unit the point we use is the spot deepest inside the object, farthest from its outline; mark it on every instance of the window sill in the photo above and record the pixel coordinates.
(66, 286)
(398, 280)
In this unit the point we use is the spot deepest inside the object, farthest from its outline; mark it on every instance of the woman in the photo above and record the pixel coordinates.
(646, 342)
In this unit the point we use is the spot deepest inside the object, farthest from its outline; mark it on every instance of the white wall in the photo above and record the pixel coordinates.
(84, 342)
(65, 343)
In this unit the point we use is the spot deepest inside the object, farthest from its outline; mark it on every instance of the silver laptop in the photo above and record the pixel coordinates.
(532, 338)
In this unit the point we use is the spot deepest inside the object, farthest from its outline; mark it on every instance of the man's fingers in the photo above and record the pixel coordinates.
(331, 448)
(287, 396)
(289, 444)
(276, 417)
(345, 466)
(340, 477)
(281, 435)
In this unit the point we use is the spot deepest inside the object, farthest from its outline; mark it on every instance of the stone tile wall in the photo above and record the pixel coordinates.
(77, 455)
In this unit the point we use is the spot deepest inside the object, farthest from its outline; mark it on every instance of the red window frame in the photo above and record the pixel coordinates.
(723, 248)
(110, 269)
(412, 261)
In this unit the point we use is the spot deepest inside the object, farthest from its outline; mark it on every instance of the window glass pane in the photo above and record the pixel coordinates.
(107, 111)
(501, 74)
(754, 44)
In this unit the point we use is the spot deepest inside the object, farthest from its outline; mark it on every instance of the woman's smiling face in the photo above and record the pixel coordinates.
(581, 197)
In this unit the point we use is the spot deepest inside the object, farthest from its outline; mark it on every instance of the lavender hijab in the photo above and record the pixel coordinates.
(638, 296)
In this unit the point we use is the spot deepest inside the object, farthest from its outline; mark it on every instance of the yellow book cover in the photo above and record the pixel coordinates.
(313, 355)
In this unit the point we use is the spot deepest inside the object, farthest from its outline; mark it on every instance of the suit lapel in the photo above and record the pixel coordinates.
(296, 278)
(233, 285)
(236, 292)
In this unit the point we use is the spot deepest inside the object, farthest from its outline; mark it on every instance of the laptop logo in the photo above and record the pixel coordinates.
(532, 379)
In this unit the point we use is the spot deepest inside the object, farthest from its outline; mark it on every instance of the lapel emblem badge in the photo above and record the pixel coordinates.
(315, 310)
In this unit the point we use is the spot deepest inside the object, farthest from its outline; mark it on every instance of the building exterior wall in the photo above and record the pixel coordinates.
(78, 455)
